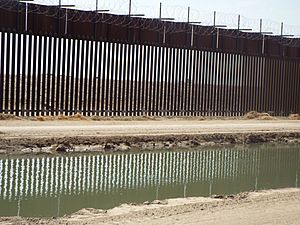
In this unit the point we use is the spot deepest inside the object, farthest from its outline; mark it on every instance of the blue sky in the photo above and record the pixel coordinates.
(273, 12)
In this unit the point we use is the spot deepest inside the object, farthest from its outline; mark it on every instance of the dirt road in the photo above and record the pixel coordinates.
(23, 136)
(266, 207)
(25, 128)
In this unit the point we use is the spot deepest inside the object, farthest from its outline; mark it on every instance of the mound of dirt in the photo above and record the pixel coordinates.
(294, 116)
(259, 116)
(4, 116)
(77, 116)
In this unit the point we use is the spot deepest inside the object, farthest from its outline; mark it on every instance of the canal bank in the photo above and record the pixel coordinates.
(127, 185)
(25, 136)
(265, 207)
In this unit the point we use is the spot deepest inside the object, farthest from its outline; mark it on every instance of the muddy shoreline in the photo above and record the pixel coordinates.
(77, 144)
(279, 206)
(22, 137)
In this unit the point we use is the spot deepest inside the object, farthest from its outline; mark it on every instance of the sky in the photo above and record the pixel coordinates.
(273, 12)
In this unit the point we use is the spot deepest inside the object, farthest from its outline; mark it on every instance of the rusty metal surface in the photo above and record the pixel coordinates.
(112, 65)
(50, 20)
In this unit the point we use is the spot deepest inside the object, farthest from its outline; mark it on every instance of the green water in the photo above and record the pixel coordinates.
(47, 186)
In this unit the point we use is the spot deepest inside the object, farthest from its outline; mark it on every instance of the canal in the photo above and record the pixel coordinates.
(53, 186)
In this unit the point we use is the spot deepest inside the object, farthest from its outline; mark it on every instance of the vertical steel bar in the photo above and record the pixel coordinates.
(184, 82)
(220, 83)
(53, 75)
(136, 81)
(161, 92)
(167, 79)
(29, 73)
(94, 98)
(111, 78)
(215, 83)
(34, 76)
(230, 85)
(44, 90)
(18, 78)
(86, 79)
(261, 83)
(121, 78)
(204, 84)
(99, 78)
(155, 80)
(179, 89)
(77, 77)
(244, 83)
(199, 85)
(90, 77)
(257, 83)
(191, 82)
(116, 94)
(289, 102)
(2, 72)
(193, 93)
(103, 75)
(174, 80)
(269, 85)
(81, 76)
(210, 76)
(58, 75)
(187, 80)
(131, 97)
(140, 79)
(292, 82)
(129, 62)
(66, 92)
(124, 77)
(246, 87)
(39, 76)
(108, 62)
(73, 76)
(144, 79)
(149, 79)
(272, 86)
(8, 65)
(13, 73)
(233, 84)
(277, 88)
(236, 84)
(296, 81)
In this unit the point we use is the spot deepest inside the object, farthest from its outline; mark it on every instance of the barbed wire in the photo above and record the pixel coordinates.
(86, 13)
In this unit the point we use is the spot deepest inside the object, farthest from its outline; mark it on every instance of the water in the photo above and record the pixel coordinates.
(46, 186)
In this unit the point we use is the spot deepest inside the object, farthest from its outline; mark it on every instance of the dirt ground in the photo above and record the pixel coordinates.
(269, 207)
(265, 207)
(26, 128)
(25, 136)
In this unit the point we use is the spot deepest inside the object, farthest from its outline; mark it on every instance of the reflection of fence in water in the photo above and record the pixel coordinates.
(107, 173)
(51, 176)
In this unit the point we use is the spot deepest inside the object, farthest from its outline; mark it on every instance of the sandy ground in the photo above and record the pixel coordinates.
(269, 207)
(266, 207)
(25, 128)
(25, 136)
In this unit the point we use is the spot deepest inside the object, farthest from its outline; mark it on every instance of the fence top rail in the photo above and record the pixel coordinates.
(37, 19)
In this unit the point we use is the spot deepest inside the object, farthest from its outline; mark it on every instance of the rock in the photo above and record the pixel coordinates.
(159, 145)
(254, 138)
(218, 196)
(64, 148)
(109, 146)
(159, 202)
(123, 147)
(61, 148)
